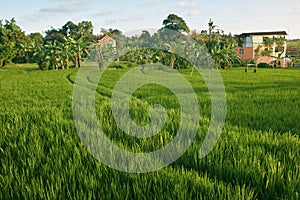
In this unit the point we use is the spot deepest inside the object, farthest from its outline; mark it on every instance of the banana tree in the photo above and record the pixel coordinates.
(224, 56)
(170, 57)
(66, 52)
(80, 49)
(53, 54)
(276, 61)
(47, 56)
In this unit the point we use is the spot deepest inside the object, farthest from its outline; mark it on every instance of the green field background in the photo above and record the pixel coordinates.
(256, 157)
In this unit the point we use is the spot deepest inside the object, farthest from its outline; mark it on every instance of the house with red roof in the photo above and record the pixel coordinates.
(106, 40)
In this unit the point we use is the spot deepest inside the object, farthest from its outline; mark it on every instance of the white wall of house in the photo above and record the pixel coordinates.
(259, 40)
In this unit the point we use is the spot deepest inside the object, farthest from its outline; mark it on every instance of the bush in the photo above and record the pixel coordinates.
(244, 63)
(263, 65)
(122, 65)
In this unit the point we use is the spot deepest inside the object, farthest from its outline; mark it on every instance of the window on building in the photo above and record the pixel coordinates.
(242, 51)
(249, 41)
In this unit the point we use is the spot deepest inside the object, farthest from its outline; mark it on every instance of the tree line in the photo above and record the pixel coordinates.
(69, 45)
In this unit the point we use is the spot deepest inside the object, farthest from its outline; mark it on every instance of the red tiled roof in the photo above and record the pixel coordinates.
(105, 40)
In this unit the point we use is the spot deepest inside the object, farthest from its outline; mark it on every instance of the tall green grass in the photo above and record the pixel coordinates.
(257, 156)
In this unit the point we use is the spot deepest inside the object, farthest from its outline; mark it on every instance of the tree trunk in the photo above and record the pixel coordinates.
(76, 61)
(67, 63)
(79, 60)
(172, 61)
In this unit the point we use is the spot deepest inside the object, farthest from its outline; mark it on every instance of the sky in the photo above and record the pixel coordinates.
(232, 16)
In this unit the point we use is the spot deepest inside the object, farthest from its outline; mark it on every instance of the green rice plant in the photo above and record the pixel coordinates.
(256, 157)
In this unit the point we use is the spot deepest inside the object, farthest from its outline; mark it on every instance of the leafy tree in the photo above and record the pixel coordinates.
(56, 54)
(145, 35)
(268, 42)
(28, 48)
(52, 35)
(225, 56)
(277, 59)
(64, 46)
(175, 23)
(85, 29)
(52, 54)
(221, 47)
(279, 41)
(66, 52)
(80, 49)
(6, 53)
(11, 38)
(110, 32)
(37, 40)
(145, 38)
(69, 29)
(44, 57)
(201, 38)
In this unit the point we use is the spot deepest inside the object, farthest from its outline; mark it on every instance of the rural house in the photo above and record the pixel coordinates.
(103, 49)
(264, 47)
(106, 40)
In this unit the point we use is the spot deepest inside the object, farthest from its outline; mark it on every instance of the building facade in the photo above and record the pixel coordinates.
(263, 46)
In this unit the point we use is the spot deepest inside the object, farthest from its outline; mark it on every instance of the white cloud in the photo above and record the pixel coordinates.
(103, 13)
(187, 4)
(155, 1)
(135, 17)
(194, 13)
(67, 6)
(296, 10)
(110, 22)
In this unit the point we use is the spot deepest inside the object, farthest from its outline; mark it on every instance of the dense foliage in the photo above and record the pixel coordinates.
(176, 23)
(293, 51)
(72, 43)
(11, 40)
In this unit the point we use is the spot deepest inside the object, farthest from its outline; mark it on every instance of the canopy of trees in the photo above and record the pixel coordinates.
(71, 44)
(176, 23)
(11, 38)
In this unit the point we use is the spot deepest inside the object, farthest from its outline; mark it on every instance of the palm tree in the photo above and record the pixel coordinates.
(211, 28)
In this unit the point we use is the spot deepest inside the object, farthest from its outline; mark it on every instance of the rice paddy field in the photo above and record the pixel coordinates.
(256, 157)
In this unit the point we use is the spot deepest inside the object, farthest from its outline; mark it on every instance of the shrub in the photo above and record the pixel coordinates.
(263, 65)
(122, 65)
